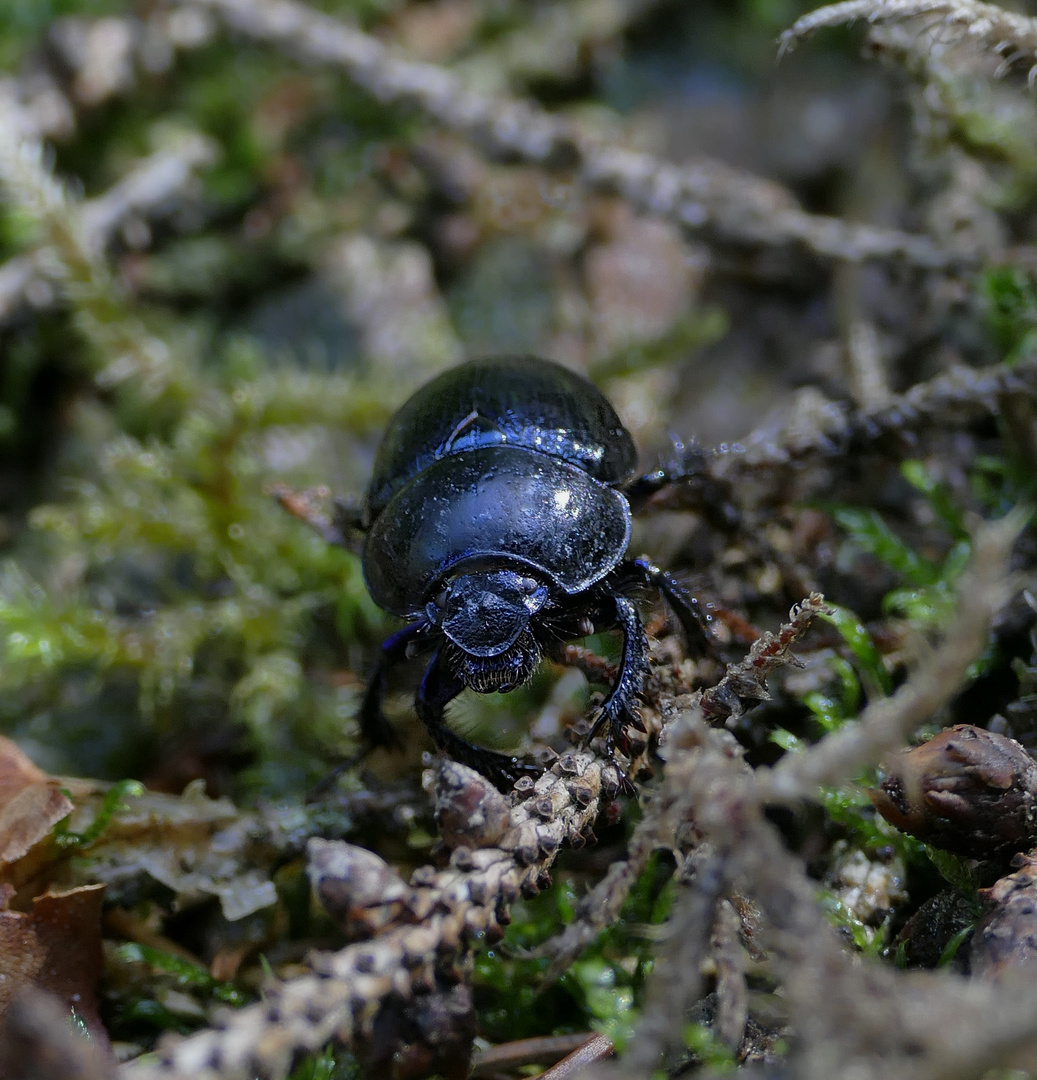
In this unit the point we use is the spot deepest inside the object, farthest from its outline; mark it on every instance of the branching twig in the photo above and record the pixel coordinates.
(743, 685)
(501, 849)
(121, 347)
(962, 394)
(850, 1016)
(149, 187)
(1006, 33)
(705, 198)
(678, 973)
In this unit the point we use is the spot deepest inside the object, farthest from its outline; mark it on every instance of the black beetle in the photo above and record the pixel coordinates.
(497, 522)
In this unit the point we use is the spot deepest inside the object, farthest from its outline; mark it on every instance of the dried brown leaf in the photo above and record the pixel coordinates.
(31, 803)
(56, 948)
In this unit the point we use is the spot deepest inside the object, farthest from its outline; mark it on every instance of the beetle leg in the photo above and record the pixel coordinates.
(695, 487)
(620, 709)
(685, 606)
(642, 488)
(685, 463)
(438, 688)
(374, 727)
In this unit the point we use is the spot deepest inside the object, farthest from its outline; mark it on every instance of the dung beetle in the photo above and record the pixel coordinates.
(497, 522)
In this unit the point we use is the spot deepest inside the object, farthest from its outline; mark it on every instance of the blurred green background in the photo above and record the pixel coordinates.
(320, 257)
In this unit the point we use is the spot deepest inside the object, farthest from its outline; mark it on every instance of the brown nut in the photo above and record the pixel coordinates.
(1006, 937)
(966, 790)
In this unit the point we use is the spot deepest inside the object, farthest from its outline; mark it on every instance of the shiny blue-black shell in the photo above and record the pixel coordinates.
(513, 461)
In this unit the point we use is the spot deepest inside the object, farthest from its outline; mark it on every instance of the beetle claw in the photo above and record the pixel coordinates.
(502, 770)
(618, 719)
(626, 785)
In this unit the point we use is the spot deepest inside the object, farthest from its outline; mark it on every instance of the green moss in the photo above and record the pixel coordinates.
(602, 990)
(111, 804)
(329, 1064)
(1010, 296)
(187, 976)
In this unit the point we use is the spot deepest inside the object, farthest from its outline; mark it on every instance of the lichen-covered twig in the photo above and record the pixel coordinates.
(732, 991)
(678, 973)
(706, 198)
(843, 1013)
(500, 849)
(688, 781)
(1006, 33)
(957, 396)
(849, 1015)
(405, 934)
(743, 685)
(825, 430)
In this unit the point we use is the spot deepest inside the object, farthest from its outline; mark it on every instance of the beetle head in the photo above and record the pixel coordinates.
(485, 616)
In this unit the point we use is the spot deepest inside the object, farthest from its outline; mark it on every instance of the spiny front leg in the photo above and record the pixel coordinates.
(374, 727)
(438, 688)
(685, 606)
(692, 485)
(622, 709)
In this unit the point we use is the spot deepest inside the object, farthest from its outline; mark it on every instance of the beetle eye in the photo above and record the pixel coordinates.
(441, 598)
(529, 585)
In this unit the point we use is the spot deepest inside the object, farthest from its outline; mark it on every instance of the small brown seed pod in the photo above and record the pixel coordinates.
(361, 892)
(470, 811)
(966, 790)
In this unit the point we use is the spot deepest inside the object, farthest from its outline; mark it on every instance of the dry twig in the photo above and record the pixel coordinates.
(148, 188)
(845, 1016)
(501, 849)
(706, 198)
(406, 934)
(849, 1016)
(742, 686)
(831, 428)
(984, 589)
(1006, 33)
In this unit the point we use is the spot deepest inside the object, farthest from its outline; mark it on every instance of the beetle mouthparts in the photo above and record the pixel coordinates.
(496, 674)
